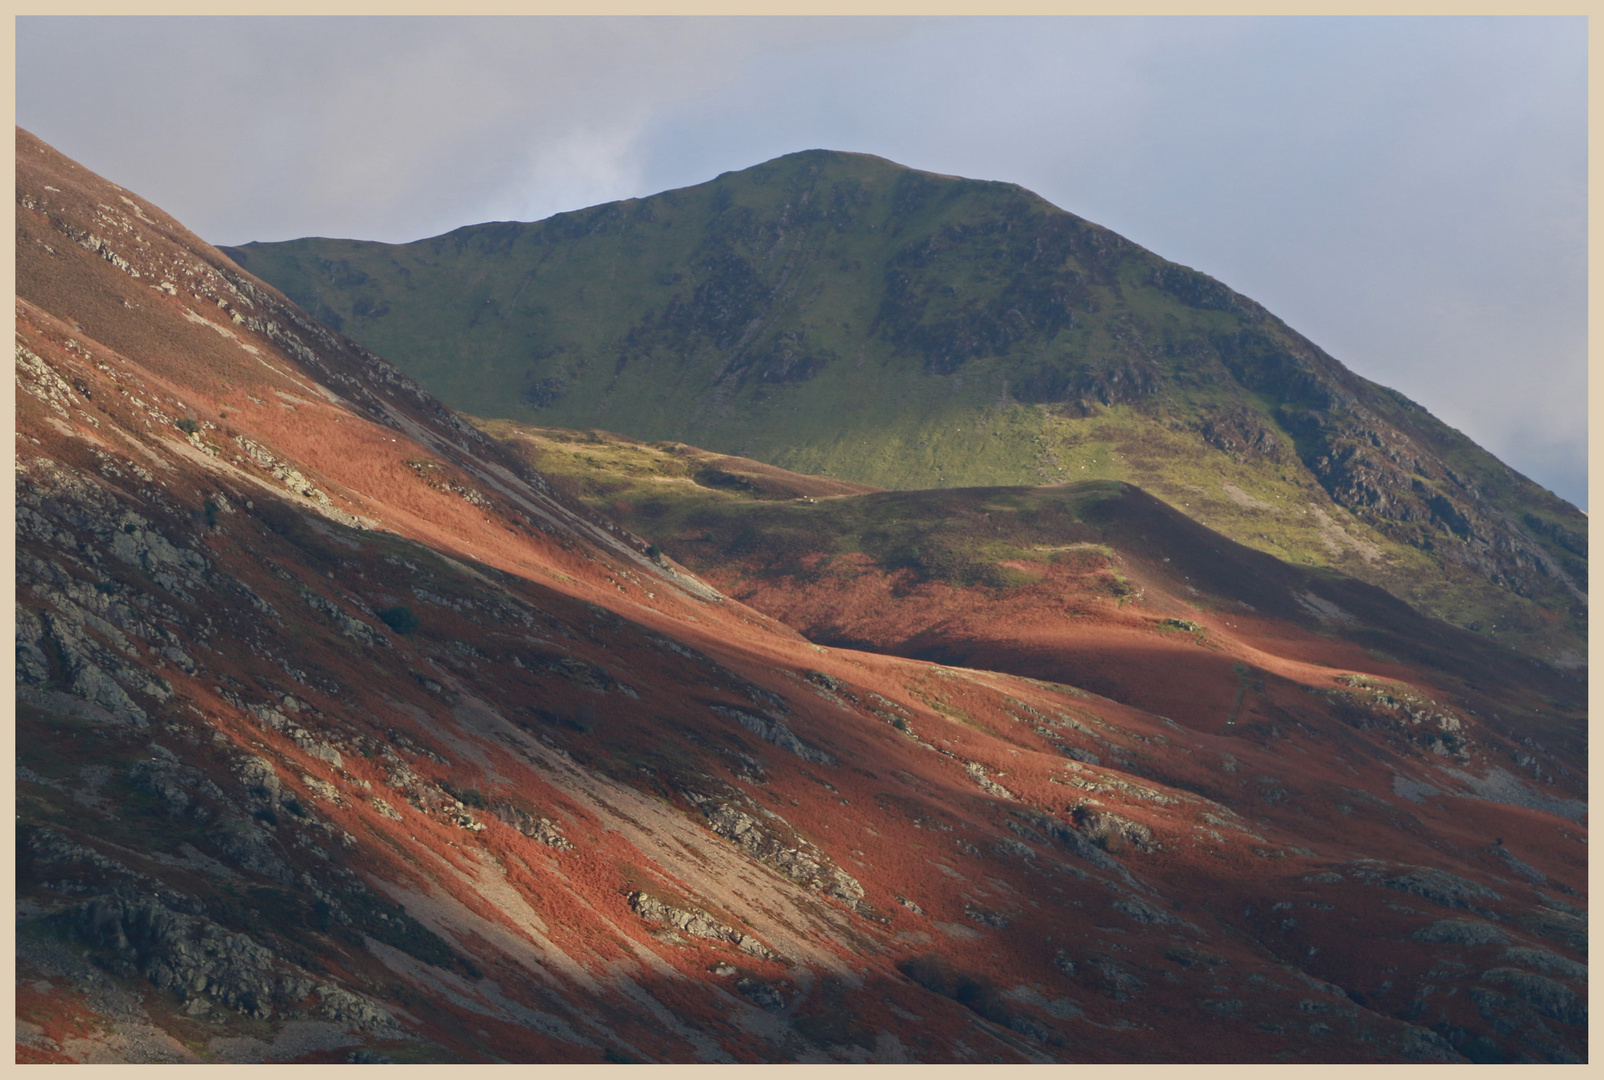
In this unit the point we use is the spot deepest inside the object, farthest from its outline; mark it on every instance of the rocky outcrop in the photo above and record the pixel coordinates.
(1461, 932)
(186, 954)
(777, 845)
(697, 923)
(773, 730)
(195, 958)
(1364, 701)
(346, 623)
(1547, 962)
(1097, 782)
(1551, 998)
(182, 790)
(761, 994)
(1430, 883)
(1038, 828)
(977, 773)
(1113, 833)
(536, 828)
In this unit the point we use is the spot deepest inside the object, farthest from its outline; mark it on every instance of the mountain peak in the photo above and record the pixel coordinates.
(839, 314)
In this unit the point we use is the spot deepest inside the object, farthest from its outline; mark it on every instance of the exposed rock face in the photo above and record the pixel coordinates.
(767, 837)
(1439, 886)
(542, 829)
(188, 955)
(1420, 721)
(695, 922)
(772, 730)
(195, 958)
(1552, 999)
(1461, 932)
(1112, 832)
(761, 994)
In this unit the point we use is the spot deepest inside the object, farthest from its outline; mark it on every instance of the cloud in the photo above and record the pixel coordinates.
(386, 129)
(1409, 193)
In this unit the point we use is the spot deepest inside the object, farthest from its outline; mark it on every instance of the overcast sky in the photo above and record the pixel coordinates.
(1411, 194)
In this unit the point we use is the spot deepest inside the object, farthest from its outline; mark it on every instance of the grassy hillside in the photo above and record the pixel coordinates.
(839, 315)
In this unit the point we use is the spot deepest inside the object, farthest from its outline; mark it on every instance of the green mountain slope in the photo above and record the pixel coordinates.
(840, 315)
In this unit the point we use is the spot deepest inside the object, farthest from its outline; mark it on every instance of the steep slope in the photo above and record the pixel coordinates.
(344, 735)
(840, 315)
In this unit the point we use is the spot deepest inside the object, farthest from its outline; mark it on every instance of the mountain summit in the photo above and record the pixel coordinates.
(841, 315)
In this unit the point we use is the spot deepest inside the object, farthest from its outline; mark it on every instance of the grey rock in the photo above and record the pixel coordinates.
(343, 1007)
(995, 919)
(1501, 786)
(800, 861)
(32, 667)
(772, 730)
(53, 852)
(1009, 846)
(1561, 921)
(1113, 832)
(186, 954)
(697, 923)
(1461, 932)
(1146, 914)
(321, 750)
(761, 994)
(1420, 1044)
(1027, 1027)
(1061, 1008)
(1439, 886)
(248, 846)
(977, 773)
(160, 778)
(1551, 998)
(82, 659)
(1112, 978)
(1522, 869)
(348, 625)
(541, 829)
(1545, 961)
(1098, 783)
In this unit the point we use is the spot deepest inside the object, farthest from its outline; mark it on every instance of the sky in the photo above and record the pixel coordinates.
(1410, 194)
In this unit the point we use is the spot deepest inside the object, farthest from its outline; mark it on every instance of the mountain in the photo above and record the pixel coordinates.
(347, 733)
(840, 315)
